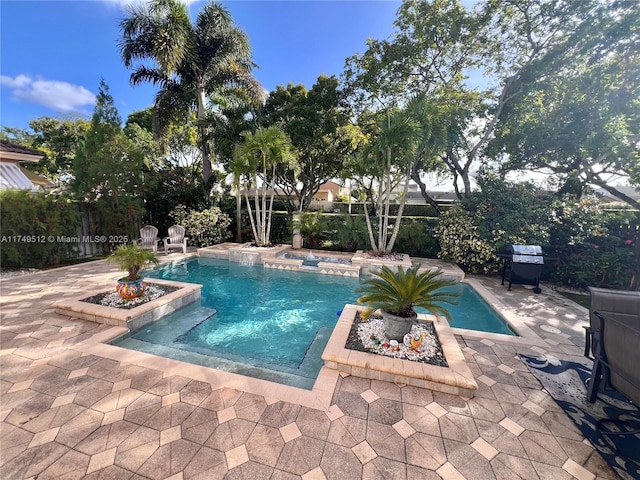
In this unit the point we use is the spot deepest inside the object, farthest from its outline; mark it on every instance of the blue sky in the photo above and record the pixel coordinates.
(53, 53)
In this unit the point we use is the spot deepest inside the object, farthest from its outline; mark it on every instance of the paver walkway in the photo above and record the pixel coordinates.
(65, 415)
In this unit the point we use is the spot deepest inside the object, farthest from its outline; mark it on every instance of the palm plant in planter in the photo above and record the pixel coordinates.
(396, 293)
(132, 259)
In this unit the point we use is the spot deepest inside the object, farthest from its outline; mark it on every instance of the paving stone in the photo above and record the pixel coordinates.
(347, 431)
(385, 411)
(265, 445)
(386, 441)
(364, 452)
(486, 409)
(93, 392)
(425, 451)
(282, 475)
(477, 468)
(313, 423)
(280, 414)
(352, 404)
(199, 426)
(549, 472)
(230, 435)
(510, 467)
(458, 453)
(416, 396)
(171, 416)
(543, 448)
(458, 427)
(561, 426)
(55, 417)
(221, 398)
(250, 407)
(106, 437)
(301, 455)
(386, 390)
(101, 460)
(195, 392)
(340, 462)
(206, 464)
(168, 385)
(417, 473)
(353, 384)
(72, 465)
(236, 456)
(250, 471)
(452, 403)
(168, 460)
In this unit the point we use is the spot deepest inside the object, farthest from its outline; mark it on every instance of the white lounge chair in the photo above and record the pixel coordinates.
(148, 238)
(175, 240)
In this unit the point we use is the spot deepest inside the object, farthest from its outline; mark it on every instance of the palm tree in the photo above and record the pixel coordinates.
(256, 160)
(387, 160)
(229, 127)
(191, 63)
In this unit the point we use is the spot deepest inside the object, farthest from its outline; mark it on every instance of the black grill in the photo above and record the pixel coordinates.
(523, 265)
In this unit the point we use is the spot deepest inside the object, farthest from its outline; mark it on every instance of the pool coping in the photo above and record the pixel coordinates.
(455, 379)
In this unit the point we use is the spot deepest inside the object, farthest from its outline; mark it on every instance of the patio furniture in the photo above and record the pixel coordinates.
(617, 358)
(608, 301)
(175, 240)
(148, 238)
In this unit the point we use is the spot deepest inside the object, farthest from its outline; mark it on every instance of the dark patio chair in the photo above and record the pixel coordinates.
(617, 366)
(608, 301)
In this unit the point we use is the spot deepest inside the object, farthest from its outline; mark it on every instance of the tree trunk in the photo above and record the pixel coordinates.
(253, 224)
(204, 134)
(238, 216)
(396, 227)
(415, 176)
(372, 239)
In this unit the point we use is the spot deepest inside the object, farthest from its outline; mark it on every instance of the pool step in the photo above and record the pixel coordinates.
(169, 329)
(312, 361)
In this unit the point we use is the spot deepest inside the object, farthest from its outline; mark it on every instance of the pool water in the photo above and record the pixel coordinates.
(266, 323)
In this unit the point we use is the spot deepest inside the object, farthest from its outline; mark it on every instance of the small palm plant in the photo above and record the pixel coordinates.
(396, 293)
(132, 259)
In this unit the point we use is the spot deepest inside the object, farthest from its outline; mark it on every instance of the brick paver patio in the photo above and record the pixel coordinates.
(66, 414)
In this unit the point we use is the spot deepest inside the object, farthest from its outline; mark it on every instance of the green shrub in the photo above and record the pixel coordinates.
(34, 226)
(312, 225)
(461, 242)
(204, 227)
(417, 237)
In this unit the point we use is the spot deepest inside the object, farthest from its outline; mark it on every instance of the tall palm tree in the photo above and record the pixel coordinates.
(191, 63)
(229, 127)
(387, 158)
(256, 160)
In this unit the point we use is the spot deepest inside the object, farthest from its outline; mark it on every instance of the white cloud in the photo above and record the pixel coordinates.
(57, 95)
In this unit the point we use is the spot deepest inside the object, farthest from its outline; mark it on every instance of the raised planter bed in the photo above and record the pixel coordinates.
(456, 379)
(133, 318)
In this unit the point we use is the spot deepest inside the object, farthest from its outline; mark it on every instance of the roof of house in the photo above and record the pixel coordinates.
(7, 146)
(36, 179)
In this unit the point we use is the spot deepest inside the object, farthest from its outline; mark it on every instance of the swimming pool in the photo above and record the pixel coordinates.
(264, 323)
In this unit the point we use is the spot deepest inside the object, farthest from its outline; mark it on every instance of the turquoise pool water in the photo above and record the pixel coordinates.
(265, 323)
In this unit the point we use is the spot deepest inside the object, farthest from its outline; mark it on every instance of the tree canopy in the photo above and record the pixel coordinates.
(196, 65)
(320, 128)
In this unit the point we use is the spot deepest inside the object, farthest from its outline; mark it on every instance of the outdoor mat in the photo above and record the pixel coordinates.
(565, 382)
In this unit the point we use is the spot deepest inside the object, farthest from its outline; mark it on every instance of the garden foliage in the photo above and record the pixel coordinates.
(203, 227)
(32, 227)
(585, 246)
